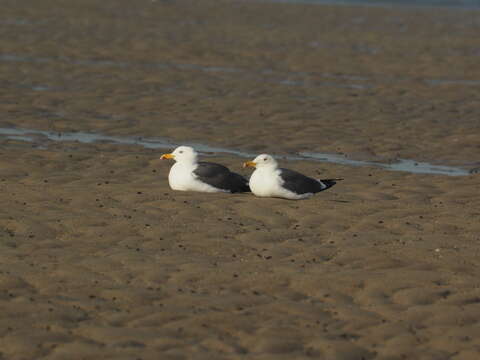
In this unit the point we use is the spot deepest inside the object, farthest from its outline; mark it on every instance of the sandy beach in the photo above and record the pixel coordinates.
(99, 259)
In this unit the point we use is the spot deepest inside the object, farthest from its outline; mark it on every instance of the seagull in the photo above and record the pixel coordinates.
(188, 174)
(268, 180)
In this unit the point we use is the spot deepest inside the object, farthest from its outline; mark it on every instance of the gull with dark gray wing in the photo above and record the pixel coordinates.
(268, 180)
(188, 174)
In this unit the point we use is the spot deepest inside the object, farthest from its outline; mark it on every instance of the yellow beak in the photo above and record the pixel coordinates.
(167, 156)
(250, 164)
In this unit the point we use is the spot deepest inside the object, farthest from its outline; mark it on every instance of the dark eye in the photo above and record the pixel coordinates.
(264, 159)
(181, 152)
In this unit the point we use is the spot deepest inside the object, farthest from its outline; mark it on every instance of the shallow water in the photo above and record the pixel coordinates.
(39, 137)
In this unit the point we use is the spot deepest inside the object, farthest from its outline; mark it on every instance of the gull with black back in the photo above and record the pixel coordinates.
(189, 174)
(268, 180)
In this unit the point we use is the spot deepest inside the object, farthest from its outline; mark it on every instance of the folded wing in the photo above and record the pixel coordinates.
(221, 177)
(301, 184)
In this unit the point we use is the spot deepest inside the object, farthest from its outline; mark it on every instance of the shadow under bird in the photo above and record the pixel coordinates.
(189, 174)
(268, 180)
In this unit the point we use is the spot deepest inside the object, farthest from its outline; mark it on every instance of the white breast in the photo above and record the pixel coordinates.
(265, 183)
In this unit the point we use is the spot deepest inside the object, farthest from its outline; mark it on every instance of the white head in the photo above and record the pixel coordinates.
(182, 154)
(262, 161)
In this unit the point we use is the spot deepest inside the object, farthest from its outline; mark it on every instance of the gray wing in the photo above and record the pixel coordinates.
(301, 184)
(221, 177)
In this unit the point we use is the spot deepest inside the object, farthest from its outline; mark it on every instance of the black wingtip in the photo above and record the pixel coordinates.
(245, 189)
(330, 182)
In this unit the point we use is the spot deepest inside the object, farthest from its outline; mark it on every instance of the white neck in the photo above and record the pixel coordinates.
(187, 162)
(269, 167)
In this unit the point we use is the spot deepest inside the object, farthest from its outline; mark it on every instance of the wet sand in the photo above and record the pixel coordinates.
(100, 259)
(395, 83)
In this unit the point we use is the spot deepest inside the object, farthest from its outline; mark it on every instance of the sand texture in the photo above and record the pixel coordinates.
(99, 259)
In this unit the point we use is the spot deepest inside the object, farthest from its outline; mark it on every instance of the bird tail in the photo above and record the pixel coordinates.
(328, 183)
